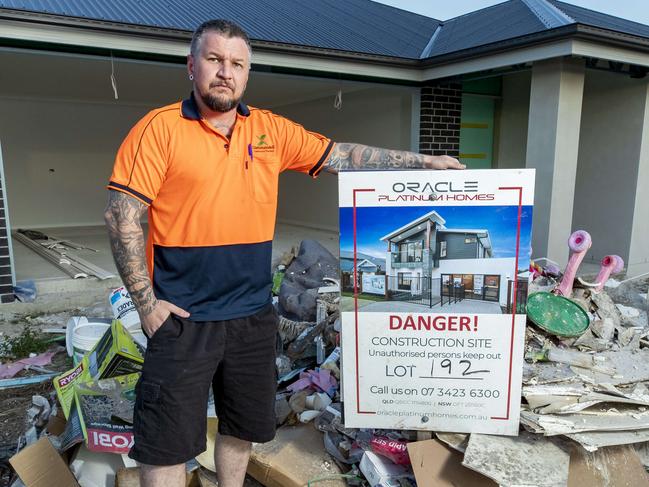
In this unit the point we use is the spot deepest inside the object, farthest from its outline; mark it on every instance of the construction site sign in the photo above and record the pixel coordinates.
(441, 347)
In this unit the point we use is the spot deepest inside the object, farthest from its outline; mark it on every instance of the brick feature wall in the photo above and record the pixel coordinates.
(6, 280)
(439, 121)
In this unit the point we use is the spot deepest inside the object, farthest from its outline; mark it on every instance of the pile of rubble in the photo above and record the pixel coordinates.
(584, 417)
(585, 396)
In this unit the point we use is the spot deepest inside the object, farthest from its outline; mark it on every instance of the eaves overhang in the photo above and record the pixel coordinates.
(568, 40)
(88, 36)
(98, 37)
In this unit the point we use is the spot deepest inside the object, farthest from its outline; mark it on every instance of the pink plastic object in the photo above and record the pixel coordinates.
(394, 450)
(579, 243)
(7, 371)
(610, 265)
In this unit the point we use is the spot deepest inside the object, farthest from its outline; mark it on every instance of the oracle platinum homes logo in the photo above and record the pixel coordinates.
(438, 191)
(438, 187)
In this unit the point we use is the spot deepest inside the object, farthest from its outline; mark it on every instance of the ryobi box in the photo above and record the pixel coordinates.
(116, 353)
(105, 410)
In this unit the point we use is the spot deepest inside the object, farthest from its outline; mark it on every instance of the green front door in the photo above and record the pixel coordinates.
(477, 131)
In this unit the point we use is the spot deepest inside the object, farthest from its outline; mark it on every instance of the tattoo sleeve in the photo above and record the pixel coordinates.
(122, 216)
(358, 157)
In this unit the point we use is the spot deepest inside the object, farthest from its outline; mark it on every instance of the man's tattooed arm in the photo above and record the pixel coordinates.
(358, 157)
(122, 216)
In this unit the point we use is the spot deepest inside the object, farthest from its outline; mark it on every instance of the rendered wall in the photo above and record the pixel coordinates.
(58, 156)
(377, 117)
(512, 122)
(609, 150)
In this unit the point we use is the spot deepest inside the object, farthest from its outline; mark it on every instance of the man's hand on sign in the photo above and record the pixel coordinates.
(162, 310)
(442, 162)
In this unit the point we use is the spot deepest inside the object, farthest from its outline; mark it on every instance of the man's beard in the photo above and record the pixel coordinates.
(220, 103)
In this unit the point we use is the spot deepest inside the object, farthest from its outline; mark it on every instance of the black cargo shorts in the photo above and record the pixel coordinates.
(183, 358)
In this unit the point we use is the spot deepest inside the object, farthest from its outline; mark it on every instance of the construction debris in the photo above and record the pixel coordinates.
(7, 371)
(436, 465)
(62, 253)
(526, 459)
(609, 467)
(585, 397)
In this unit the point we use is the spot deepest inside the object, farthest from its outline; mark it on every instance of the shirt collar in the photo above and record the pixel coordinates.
(189, 108)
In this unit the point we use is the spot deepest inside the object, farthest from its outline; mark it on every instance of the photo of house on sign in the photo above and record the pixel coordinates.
(445, 259)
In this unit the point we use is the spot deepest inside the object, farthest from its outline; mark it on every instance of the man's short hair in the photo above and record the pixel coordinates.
(221, 26)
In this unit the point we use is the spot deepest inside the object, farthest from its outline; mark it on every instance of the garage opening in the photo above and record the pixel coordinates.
(64, 121)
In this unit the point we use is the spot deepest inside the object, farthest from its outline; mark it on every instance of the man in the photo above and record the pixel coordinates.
(206, 170)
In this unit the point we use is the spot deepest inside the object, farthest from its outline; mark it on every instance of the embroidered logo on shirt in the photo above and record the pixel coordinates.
(261, 140)
(263, 144)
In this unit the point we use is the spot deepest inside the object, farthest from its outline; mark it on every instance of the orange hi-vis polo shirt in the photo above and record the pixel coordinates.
(212, 202)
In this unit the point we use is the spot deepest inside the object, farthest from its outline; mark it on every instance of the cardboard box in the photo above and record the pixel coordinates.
(437, 465)
(56, 423)
(618, 466)
(381, 471)
(102, 407)
(115, 354)
(94, 469)
(40, 465)
(294, 457)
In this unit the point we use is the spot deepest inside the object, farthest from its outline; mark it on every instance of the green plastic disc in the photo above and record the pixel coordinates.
(557, 315)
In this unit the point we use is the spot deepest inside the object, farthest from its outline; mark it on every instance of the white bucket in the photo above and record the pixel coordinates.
(86, 336)
(124, 309)
(77, 321)
(72, 323)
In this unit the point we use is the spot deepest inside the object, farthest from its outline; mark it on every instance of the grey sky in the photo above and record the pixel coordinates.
(636, 10)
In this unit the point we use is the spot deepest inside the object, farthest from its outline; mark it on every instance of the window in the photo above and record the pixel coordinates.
(442, 249)
(404, 280)
(411, 251)
(492, 281)
(470, 240)
(417, 251)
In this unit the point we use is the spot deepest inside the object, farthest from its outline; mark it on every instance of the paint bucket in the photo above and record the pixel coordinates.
(82, 334)
(124, 309)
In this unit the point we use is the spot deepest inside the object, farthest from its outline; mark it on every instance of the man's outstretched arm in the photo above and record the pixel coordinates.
(122, 217)
(358, 157)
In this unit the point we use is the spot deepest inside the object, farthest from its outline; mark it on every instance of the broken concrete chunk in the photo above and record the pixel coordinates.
(547, 373)
(600, 419)
(632, 292)
(514, 461)
(633, 317)
(628, 338)
(589, 341)
(606, 307)
(629, 366)
(457, 441)
(603, 328)
(593, 440)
